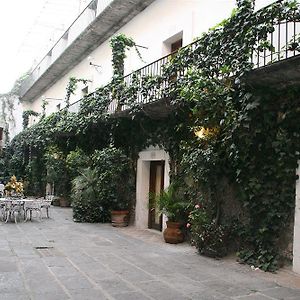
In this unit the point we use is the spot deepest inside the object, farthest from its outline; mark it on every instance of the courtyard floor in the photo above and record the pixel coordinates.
(59, 259)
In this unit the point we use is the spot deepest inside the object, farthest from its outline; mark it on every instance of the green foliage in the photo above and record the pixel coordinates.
(77, 160)
(34, 177)
(44, 104)
(209, 237)
(171, 203)
(115, 177)
(57, 172)
(72, 86)
(267, 260)
(26, 115)
(119, 44)
(86, 204)
(106, 185)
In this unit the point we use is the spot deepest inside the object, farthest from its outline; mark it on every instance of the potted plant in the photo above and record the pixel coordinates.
(115, 182)
(14, 188)
(170, 203)
(120, 211)
(120, 200)
(57, 175)
(89, 201)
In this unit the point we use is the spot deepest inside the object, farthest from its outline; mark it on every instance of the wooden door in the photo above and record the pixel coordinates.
(156, 185)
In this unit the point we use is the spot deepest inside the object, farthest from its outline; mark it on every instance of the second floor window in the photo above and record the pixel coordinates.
(176, 46)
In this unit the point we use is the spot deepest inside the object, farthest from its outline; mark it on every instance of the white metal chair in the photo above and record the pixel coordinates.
(12, 209)
(46, 204)
(2, 187)
(34, 206)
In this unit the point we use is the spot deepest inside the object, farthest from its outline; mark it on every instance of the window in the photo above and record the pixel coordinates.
(176, 46)
(85, 91)
(173, 43)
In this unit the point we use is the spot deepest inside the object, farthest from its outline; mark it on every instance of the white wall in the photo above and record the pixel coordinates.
(151, 28)
(296, 244)
(13, 118)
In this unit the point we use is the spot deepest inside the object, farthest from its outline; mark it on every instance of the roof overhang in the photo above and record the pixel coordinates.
(110, 20)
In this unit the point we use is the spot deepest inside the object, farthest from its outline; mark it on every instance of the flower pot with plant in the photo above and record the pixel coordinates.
(115, 182)
(57, 175)
(120, 206)
(171, 204)
(14, 188)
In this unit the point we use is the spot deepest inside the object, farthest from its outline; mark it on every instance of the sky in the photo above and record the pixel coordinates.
(29, 28)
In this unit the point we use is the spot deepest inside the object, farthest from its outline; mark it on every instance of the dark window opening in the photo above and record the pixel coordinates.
(85, 90)
(176, 46)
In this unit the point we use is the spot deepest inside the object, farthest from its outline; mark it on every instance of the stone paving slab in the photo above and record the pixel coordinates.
(58, 259)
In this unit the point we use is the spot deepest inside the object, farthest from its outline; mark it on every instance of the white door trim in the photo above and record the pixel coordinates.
(142, 183)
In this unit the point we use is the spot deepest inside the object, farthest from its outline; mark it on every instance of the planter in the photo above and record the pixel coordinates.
(63, 202)
(173, 234)
(119, 218)
(55, 201)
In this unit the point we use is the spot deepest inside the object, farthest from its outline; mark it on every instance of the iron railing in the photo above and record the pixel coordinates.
(285, 32)
(282, 41)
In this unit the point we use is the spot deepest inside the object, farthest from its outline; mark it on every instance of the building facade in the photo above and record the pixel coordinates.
(158, 28)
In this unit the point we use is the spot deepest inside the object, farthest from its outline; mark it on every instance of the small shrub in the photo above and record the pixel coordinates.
(102, 187)
(207, 236)
(87, 207)
(75, 161)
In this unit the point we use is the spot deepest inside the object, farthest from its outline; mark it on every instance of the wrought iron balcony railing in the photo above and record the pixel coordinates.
(283, 41)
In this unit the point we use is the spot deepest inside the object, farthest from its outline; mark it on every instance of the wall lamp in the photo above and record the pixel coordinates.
(49, 98)
(97, 67)
(141, 46)
(92, 64)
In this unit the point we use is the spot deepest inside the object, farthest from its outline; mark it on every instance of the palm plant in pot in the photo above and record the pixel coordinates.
(89, 201)
(170, 203)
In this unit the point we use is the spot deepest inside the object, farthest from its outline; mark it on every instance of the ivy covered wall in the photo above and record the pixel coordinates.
(217, 127)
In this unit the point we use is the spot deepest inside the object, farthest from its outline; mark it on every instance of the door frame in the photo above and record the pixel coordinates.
(152, 181)
(142, 184)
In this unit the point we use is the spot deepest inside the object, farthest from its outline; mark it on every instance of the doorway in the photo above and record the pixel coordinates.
(156, 185)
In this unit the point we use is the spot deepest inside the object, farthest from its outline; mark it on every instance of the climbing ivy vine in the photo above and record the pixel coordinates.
(26, 115)
(71, 88)
(119, 44)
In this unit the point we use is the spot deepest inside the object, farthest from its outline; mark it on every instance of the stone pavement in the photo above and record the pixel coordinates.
(58, 259)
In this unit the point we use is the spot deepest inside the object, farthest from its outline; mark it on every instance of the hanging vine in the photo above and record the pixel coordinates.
(71, 88)
(26, 115)
(119, 44)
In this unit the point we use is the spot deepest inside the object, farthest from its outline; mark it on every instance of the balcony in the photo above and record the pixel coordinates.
(98, 21)
(275, 66)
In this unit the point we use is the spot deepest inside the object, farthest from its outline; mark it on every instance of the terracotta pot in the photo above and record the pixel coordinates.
(63, 202)
(119, 218)
(173, 234)
(56, 201)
